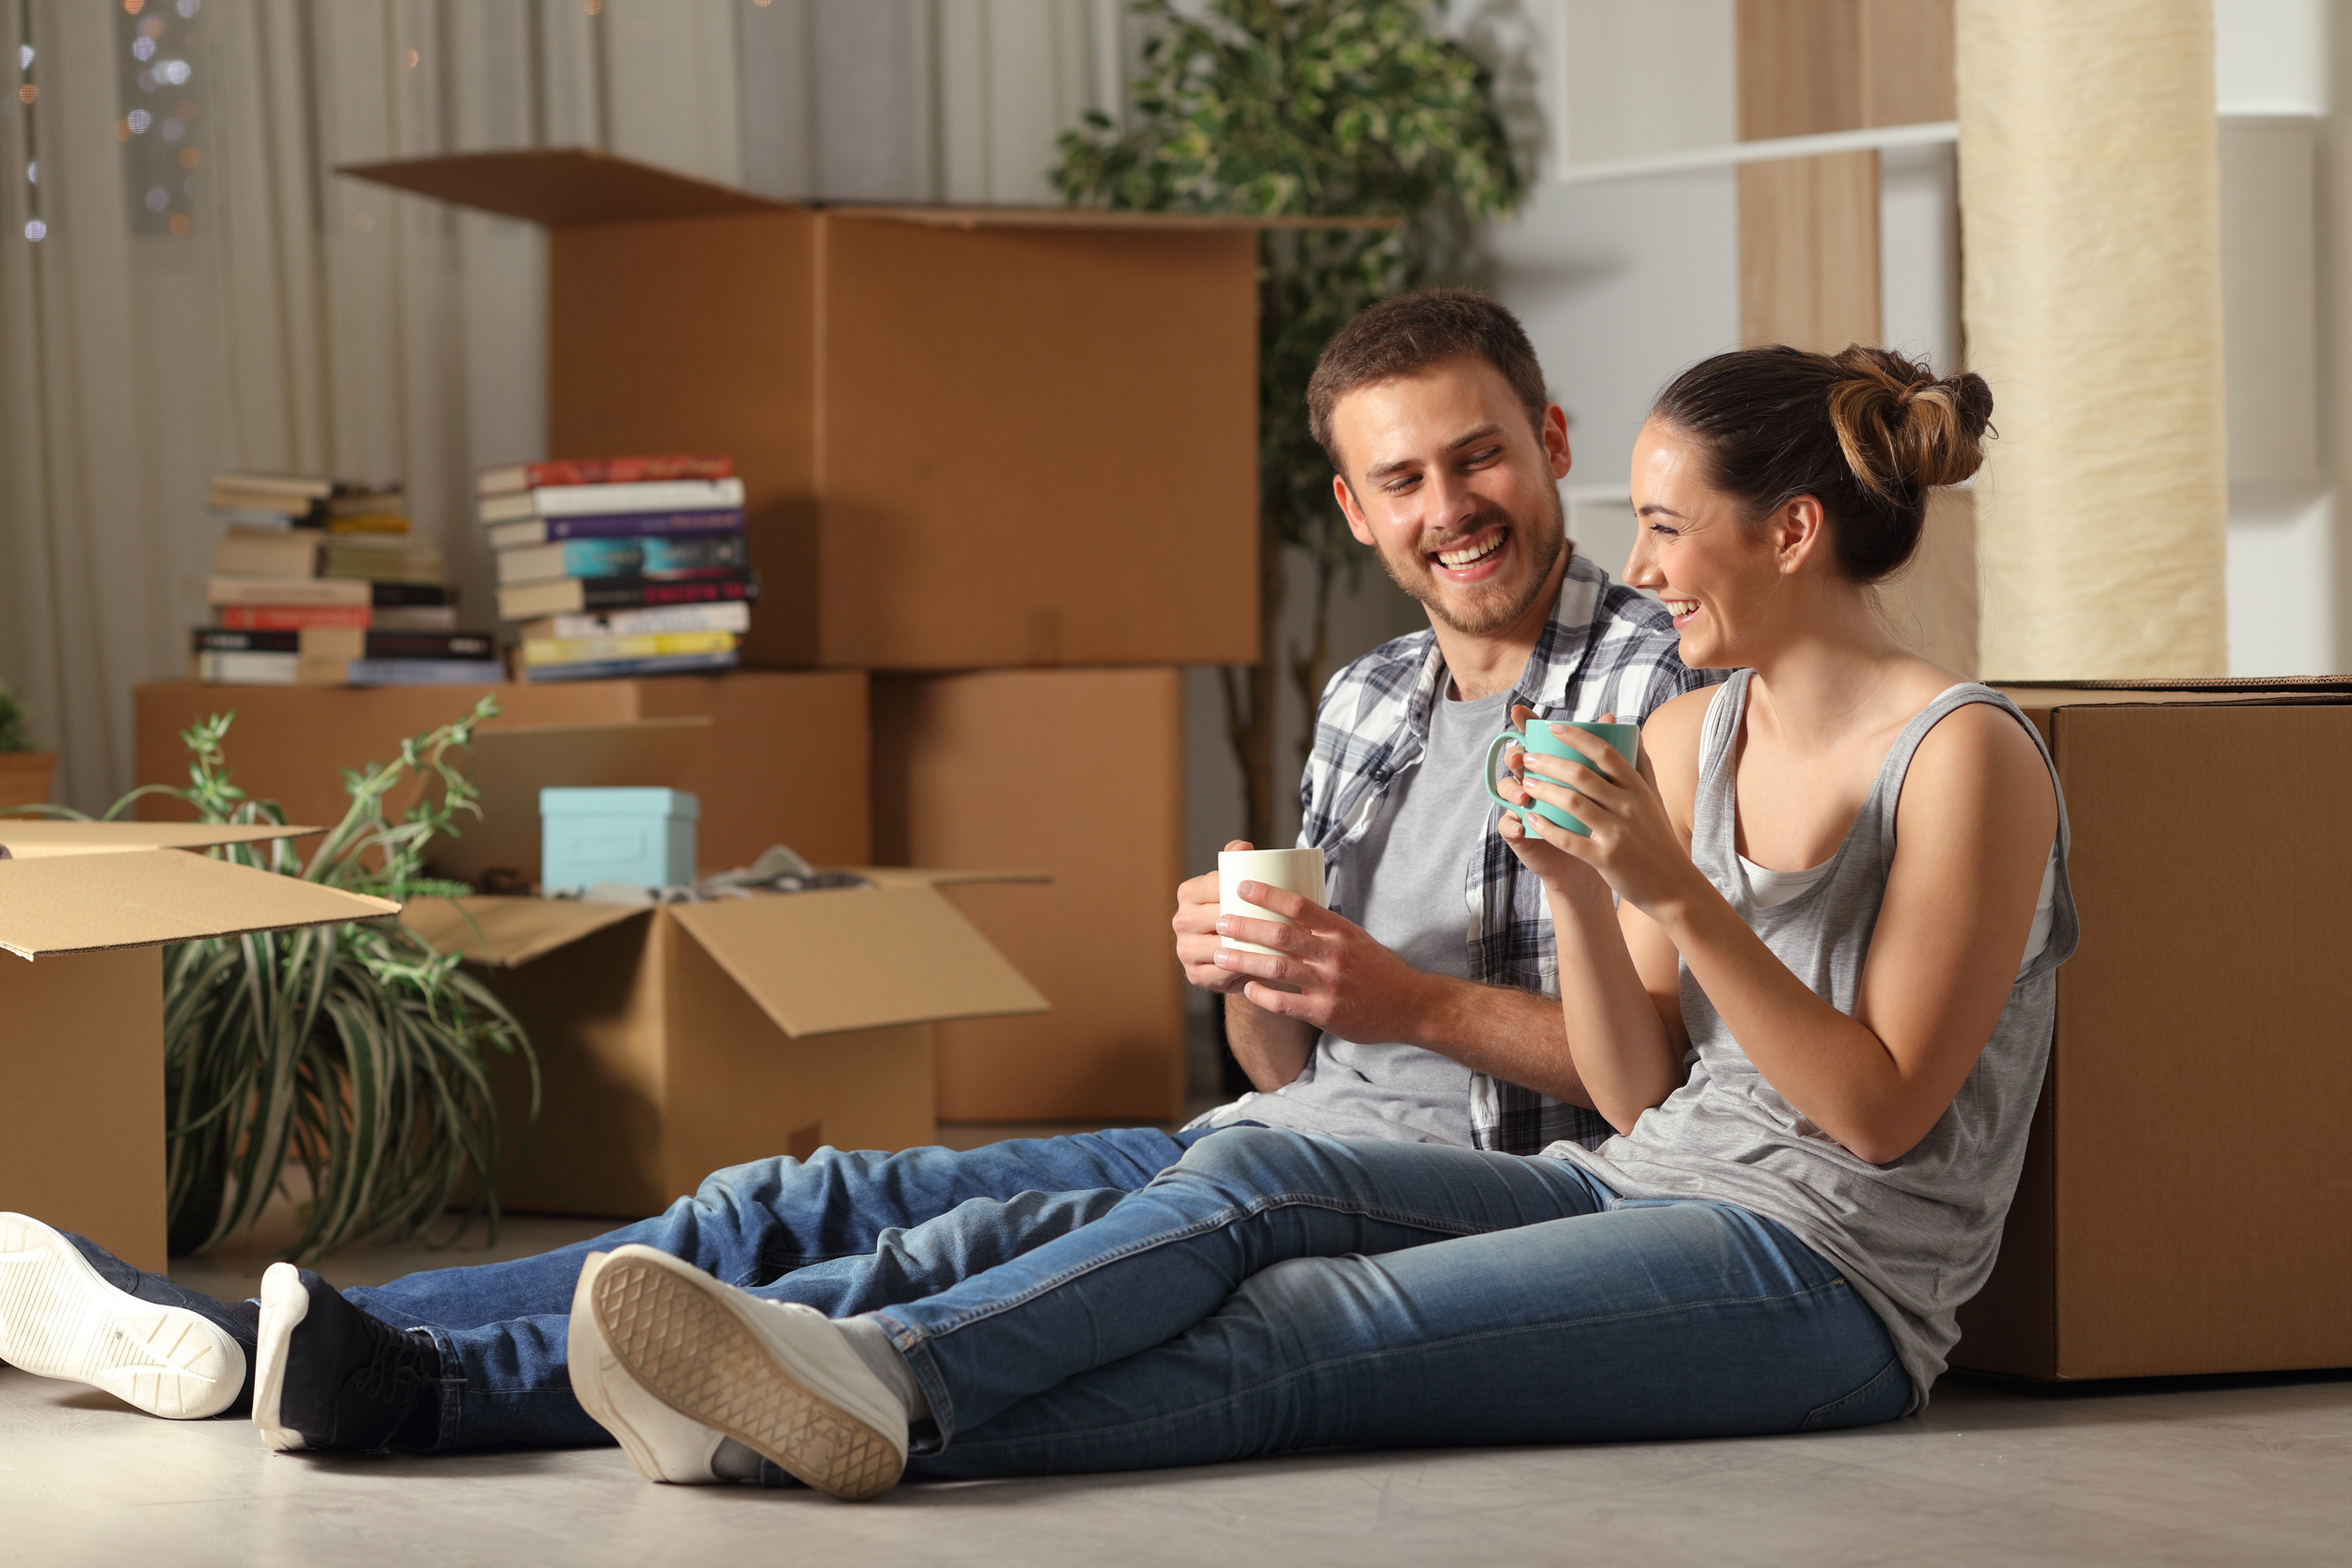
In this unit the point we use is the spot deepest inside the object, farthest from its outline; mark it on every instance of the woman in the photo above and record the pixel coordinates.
(1806, 962)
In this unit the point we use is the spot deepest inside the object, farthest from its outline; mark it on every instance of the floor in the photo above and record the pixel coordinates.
(2207, 1471)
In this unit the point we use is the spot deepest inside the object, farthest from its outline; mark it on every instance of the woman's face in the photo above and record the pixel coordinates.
(1720, 575)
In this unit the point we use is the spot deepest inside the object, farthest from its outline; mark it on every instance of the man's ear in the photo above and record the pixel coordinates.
(1354, 514)
(1555, 438)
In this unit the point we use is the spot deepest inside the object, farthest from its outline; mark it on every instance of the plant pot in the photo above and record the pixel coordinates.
(24, 777)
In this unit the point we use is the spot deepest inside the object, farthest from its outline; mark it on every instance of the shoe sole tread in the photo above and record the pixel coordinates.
(60, 1319)
(693, 1354)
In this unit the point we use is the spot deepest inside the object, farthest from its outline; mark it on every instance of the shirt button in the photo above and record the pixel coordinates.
(1379, 775)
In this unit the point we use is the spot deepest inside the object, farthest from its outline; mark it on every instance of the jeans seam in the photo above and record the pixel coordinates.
(451, 1390)
(1295, 1374)
(1821, 1412)
(1227, 1215)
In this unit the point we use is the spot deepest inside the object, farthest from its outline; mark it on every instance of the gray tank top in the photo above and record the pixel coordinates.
(1915, 1237)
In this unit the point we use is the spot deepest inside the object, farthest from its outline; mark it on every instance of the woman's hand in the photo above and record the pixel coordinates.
(1633, 845)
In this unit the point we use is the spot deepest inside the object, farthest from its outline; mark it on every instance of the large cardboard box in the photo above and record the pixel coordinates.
(1078, 773)
(958, 428)
(2184, 1203)
(91, 903)
(784, 758)
(678, 1039)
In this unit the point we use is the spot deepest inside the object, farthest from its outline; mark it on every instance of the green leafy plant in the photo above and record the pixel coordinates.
(357, 1050)
(16, 722)
(1303, 108)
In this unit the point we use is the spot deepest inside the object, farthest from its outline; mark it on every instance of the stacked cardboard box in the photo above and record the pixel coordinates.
(2182, 1207)
(955, 429)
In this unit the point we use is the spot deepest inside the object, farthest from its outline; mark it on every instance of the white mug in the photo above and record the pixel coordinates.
(1299, 871)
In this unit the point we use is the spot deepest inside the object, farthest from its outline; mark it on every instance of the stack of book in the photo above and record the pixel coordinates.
(620, 566)
(320, 582)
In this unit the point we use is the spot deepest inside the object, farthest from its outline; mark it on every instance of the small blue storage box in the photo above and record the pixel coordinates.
(642, 837)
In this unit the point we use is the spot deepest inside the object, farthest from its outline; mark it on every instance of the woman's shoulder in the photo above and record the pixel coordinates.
(1979, 755)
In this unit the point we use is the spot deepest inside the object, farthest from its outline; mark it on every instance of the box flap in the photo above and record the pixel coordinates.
(858, 958)
(923, 875)
(945, 216)
(511, 762)
(560, 186)
(138, 898)
(505, 932)
(34, 838)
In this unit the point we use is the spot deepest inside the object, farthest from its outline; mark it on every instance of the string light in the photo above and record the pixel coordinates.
(36, 230)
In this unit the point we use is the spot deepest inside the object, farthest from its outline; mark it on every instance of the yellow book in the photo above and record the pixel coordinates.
(599, 650)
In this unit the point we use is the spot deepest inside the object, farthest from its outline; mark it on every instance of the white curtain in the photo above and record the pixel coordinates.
(313, 322)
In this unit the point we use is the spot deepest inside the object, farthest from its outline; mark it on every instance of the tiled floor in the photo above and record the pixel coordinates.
(2245, 1471)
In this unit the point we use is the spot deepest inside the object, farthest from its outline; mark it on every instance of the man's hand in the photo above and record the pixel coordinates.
(1196, 941)
(1332, 974)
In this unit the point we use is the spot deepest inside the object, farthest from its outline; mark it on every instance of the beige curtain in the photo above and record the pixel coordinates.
(304, 321)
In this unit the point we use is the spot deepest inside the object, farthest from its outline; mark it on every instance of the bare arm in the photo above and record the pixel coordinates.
(1976, 823)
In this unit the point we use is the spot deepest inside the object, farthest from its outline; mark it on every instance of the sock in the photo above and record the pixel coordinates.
(732, 1461)
(872, 1341)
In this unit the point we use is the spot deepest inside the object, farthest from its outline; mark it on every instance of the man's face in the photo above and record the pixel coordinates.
(1443, 476)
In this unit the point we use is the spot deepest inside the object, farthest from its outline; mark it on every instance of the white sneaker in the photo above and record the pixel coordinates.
(662, 1444)
(778, 1378)
(60, 1318)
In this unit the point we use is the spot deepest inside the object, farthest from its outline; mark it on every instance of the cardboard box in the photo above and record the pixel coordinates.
(2184, 1200)
(81, 1049)
(784, 758)
(1078, 773)
(678, 1039)
(954, 424)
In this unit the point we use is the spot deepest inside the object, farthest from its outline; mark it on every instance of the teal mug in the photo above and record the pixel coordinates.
(1627, 739)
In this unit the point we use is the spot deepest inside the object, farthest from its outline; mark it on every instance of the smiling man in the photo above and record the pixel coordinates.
(1419, 1006)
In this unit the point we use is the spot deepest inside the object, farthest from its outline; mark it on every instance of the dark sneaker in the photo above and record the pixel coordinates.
(69, 1308)
(328, 1376)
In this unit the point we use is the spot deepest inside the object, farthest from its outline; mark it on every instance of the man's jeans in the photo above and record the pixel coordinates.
(1276, 1292)
(842, 1232)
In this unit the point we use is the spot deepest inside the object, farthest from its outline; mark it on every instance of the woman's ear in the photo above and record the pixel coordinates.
(1798, 533)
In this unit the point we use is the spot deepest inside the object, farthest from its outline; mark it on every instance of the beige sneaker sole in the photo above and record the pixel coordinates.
(684, 1344)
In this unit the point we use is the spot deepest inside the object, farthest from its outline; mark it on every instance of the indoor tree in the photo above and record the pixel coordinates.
(1302, 109)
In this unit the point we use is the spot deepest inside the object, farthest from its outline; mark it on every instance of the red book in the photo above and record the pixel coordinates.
(510, 476)
(290, 617)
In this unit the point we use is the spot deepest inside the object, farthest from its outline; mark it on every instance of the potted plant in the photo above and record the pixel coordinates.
(356, 1051)
(1303, 108)
(25, 774)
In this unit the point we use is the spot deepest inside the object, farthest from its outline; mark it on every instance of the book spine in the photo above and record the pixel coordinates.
(286, 591)
(573, 500)
(592, 650)
(616, 525)
(431, 645)
(607, 470)
(645, 622)
(426, 672)
(620, 669)
(269, 668)
(384, 595)
(659, 557)
(574, 595)
(271, 617)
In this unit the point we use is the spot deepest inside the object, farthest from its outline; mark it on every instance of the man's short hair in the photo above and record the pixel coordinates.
(1412, 332)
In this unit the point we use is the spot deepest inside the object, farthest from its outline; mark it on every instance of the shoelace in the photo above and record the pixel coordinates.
(394, 1368)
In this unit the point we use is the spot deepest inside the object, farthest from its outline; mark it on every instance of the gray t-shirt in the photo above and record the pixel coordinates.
(1917, 1236)
(1411, 890)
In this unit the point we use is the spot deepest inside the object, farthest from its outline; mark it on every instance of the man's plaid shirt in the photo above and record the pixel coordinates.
(1607, 649)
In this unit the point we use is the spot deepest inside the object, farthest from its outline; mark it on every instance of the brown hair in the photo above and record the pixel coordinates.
(1867, 432)
(1412, 332)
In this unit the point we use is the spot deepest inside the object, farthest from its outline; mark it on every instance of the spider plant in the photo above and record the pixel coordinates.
(357, 1050)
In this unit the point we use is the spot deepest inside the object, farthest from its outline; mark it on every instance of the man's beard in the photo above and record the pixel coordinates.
(1545, 540)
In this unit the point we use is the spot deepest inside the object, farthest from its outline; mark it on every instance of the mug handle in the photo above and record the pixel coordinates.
(1494, 748)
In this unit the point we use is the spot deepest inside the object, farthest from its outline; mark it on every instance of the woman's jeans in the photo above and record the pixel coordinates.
(1276, 1292)
(842, 1232)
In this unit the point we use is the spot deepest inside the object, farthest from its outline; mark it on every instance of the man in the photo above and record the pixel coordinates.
(1415, 1006)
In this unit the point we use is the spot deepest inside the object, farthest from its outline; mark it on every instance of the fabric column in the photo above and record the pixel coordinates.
(2091, 217)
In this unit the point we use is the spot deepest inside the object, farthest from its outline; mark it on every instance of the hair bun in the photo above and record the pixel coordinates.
(1904, 431)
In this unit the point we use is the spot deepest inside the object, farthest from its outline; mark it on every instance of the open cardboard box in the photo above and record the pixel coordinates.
(90, 905)
(2182, 1207)
(687, 316)
(677, 1040)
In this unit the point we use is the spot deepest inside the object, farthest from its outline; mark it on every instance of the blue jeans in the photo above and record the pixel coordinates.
(1275, 1291)
(842, 1232)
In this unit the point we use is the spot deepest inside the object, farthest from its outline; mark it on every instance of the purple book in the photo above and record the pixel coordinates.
(625, 525)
